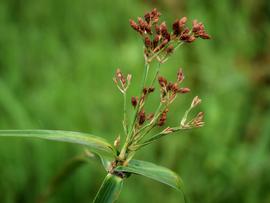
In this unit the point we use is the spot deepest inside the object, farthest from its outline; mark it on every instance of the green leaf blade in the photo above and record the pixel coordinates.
(109, 190)
(93, 142)
(155, 172)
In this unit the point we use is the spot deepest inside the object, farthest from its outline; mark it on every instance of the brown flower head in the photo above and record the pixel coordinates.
(162, 81)
(163, 117)
(134, 101)
(199, 30)
(142, 117)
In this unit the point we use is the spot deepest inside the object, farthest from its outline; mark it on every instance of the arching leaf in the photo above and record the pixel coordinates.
(155, 172)
(94, 143)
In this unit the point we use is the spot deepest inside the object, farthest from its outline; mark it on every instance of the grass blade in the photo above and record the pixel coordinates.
(109, 190)
(155, 172)
(93, 142)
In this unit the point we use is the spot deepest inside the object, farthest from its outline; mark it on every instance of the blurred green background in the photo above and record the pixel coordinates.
(57, 58)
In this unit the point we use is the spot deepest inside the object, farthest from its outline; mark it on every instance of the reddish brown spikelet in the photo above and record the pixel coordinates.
(148, 28)
(157, 29)
(164, 31)
(184, 90)
(169, 86)
(145, 90)
(134, 25)
(163, 28)
(151, 89)
(163, 117)
(155, 41)
(162, 81)
(178, 26)
(142, 117)
(199, 31)
(147, 42)
(163, 44)
(180, 75)
(191, 39)
(155, 15)
(175, 88)
(147, 17)
(205, 36)
(134, 101)
(175, 27)
(141, 23)
(120, 76)
(198, 121)
(155, 12)
(182, 22)
(186, 36)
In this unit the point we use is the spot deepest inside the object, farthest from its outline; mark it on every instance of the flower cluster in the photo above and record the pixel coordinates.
(158, 41)
(159, 44)
(121, 81)
(169, 90)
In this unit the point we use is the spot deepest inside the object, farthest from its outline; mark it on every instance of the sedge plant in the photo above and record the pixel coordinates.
(141, 128)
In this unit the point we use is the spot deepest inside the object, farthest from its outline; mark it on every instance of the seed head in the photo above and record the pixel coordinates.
(134, 25)
(178, 26)
(163, 117)
(182, 22)
(164, 31)
(184, 90)
(162, 81)
(142, 117)
(180, 75)
(150, 90)
(155, 15)
(134, 101)
(147, 17)
(199, 30)
(147, 42)
(157, 28)
(198, 121)
(195, 102)
(163, 44)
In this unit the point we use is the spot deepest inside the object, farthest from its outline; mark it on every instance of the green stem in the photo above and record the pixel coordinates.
(178, 45)
(125, 125)
(128, 137)
(156, 74)
(150, 125)
(158, 136)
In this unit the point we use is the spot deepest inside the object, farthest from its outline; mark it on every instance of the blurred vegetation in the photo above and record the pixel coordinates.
(57, 59)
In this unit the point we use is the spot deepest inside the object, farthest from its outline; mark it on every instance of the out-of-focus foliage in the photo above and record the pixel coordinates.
(57, 59)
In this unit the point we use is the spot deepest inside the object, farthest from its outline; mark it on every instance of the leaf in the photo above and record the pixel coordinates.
(155, 172)
(109, 190)
(93, 142)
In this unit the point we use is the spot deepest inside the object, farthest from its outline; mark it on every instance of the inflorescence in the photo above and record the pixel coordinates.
(159, 44)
